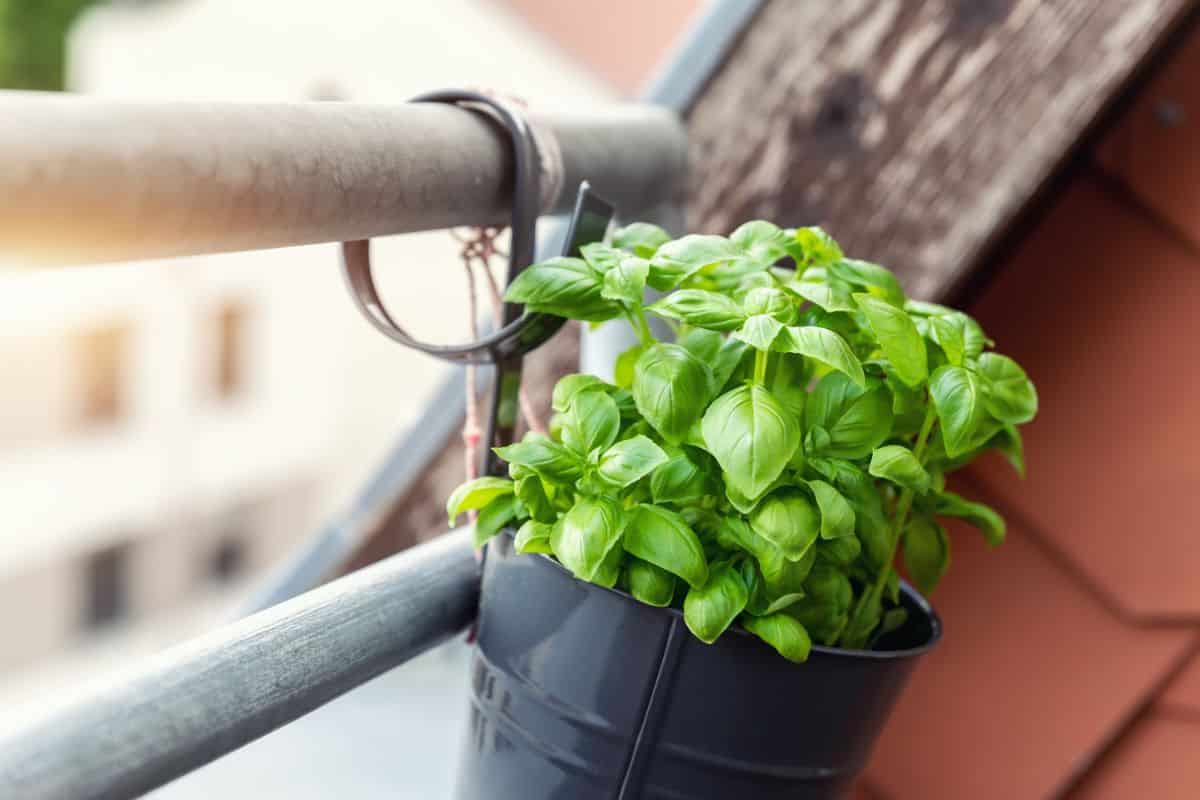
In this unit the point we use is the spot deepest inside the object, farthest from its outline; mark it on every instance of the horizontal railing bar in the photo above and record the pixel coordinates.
(88, 180)
(204, 699)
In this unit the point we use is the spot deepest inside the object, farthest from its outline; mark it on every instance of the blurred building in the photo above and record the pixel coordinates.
(160, 438)
(167, 430)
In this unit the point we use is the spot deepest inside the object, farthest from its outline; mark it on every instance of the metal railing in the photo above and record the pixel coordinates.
(86, 181)
(206, 698)
(90, 181)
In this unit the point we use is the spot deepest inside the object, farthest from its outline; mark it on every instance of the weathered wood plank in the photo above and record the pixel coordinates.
(914, 131)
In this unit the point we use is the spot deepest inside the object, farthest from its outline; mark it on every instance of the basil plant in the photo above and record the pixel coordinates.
(766, 466)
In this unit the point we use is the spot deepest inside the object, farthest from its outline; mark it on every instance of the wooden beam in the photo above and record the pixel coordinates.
(915, 132)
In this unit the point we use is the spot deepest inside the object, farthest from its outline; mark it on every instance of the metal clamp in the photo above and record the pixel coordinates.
(519, 333)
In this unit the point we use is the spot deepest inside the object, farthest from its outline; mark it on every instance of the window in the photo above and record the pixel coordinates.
(106, 574)
(37, 403)
(229, 333)
(101, 366)
(228, 559)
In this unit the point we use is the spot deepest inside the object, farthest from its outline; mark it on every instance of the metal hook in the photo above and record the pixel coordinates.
(519, 333)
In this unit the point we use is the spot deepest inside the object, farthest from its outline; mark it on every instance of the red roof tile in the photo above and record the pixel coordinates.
(1159, 759)
(1183, 693)
(1153, 151)
(1034, 676)
(1101, 307)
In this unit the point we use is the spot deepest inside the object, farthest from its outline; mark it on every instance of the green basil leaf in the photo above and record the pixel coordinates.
(626, 365)
(837, 515)
(570, 385)
(856, 420)
(493, 517)
(948, 332)
(734, 533)
(826, 297)
(630, 460)
(671, 388)
(863, 622)
(733, 354)
(700, 309)
(761, 604)
(1008, 393)
(476, 494)
(825, 346)
(740, 500)
(957, 398)
(781, 575)
(610, 568)
(784, 633)
(677, 260)
(759, 331)
(877, 280)
(586, 534)
(626, 281)
(546, 457)
(908, 409)
(625, 405)
(761, 241)
(896, 463)
(826, 584)
(825, 609)
(532, 493)
(752, 437)
(665, 540)
(789, 383)
(891, 587)
(759, 279)
(703, 344)
(642, 238)
(974, 339)
(533, 537)
(893, 620)
(844, 550)
(980, 516)
(1008, 442)
(651, 584)
(600, 257)
(565, 287)
(926, 552)
(923, 309)
(592, 421)
(789, 520)
(898, 337)
(678, 480)
(710, 609)
(813, 247)
(772, 302)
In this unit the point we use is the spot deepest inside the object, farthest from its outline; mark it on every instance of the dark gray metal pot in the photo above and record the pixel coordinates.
(582, 692)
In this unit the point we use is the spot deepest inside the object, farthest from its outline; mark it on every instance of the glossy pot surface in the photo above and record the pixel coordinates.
(582, 692)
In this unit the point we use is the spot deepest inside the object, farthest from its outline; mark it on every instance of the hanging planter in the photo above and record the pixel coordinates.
(582, 692)
(700, 598)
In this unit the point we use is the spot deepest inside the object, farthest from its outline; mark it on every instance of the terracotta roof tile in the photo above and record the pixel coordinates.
(1033, 677)
(1153, 149)
(1157, 759)
(1100, 306)
(1183, 693)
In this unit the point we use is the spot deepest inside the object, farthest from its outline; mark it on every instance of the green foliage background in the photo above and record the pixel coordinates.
(33, 42)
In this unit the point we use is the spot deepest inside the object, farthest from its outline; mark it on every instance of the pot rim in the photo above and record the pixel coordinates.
(916, 598)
